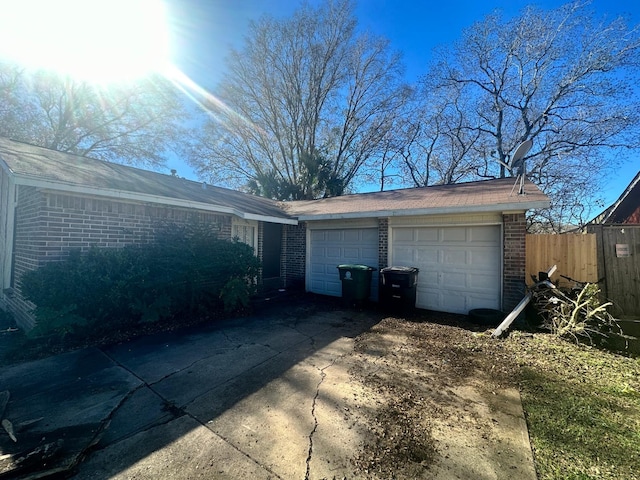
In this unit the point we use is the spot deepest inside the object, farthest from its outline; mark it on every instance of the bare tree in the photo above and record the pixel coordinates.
(562, 78)
(305, 105)
(134, 123)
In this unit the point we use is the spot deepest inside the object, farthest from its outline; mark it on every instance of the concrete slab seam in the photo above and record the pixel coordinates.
(183, 412)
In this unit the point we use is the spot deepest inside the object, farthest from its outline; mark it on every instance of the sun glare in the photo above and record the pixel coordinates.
(94, 40)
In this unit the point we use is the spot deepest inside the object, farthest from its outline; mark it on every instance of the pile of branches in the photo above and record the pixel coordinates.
(577, 313)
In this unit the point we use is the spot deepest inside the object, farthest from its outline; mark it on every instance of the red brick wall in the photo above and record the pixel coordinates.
(634, 218)
(48, 225)
(514, 230)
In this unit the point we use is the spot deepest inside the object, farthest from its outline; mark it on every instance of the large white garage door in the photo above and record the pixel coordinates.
(330, 248)
(459, 266)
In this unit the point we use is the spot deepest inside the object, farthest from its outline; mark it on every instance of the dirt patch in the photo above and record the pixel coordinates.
(445, 397)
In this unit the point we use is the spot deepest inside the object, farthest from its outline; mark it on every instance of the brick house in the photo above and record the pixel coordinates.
(467, 239)
(52, 202)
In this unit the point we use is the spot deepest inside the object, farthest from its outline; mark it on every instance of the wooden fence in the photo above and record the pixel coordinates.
(619, 264)
(609, 254)
(574, 254)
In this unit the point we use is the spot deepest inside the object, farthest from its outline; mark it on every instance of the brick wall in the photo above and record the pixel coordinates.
(295, 246)
(383, 243)
(514, 230)
(48, 225)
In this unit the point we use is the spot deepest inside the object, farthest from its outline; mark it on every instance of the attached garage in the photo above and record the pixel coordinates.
(330, 247)
(468, 240)
(460, 266)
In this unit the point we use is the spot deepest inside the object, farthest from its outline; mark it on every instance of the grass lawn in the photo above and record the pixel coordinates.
(582, 407)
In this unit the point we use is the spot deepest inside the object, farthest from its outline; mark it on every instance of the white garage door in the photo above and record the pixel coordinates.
(459, 266)
(330, 248)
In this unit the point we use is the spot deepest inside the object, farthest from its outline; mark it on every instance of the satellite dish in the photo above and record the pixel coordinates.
(517, 164)
(517, 159)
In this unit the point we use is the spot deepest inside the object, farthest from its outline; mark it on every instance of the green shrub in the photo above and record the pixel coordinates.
(187, 271)
(6, 317)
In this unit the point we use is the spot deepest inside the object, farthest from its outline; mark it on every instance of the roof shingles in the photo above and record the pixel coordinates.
(62, 169)
(485, 195)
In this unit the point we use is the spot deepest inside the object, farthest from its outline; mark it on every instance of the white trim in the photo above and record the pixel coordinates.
(143, 197)
(515, 206)
(269, 219)
(337, 224)
(487, 218)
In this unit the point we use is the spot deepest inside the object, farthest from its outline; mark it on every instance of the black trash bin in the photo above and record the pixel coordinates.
(356, 281)
(398, 287)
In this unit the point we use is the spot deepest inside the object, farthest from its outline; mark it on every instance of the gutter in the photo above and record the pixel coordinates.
(144, 197)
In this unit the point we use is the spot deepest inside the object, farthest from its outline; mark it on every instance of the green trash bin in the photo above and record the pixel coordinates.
(356, 281)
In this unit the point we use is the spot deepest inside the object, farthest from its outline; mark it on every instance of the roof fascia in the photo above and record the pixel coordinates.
(144, 197)
(6, 167)
(505, 207)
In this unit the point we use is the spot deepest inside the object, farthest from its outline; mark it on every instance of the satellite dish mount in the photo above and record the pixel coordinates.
(518, 166)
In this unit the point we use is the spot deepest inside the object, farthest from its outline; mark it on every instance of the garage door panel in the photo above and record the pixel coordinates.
(456, 280)
(427, 277)
(333, 235)
(455, 257)
(485, 259)
(352, 236)
(351, 252)
(404, 254)
(460, 267)
(483, 282)
(315, 235)
(425, 256)
(485, 234)
(318, 268)
(421, 235)
(454, 234)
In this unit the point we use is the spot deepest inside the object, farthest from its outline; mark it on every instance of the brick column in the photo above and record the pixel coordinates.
(383, 242)
(514, 241)
(295, 248)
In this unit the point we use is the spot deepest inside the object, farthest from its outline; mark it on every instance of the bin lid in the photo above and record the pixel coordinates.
(400, 270)
(349, 266)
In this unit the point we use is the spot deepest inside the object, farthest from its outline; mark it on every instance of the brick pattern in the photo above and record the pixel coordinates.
(49, 225)
(514, 229)
(383, 243)
(295, 246)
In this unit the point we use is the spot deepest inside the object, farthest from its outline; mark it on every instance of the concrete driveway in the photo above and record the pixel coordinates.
(261, 398)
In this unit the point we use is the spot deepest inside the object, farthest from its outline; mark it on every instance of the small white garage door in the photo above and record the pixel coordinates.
(330, 248)
(460, 267)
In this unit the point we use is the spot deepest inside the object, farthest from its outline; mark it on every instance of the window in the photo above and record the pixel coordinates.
(245, 232)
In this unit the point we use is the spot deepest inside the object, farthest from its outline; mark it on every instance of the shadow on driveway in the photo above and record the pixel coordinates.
(232, 400)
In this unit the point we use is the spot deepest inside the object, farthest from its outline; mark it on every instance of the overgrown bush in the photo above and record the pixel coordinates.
(186, 272)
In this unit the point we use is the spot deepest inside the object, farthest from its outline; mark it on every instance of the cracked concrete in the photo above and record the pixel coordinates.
(266, 397)
(236, 386)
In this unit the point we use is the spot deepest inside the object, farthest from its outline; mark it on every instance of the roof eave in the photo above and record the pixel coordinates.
(31, 181)
(500, 207)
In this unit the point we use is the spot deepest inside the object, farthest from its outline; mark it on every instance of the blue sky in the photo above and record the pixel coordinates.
(205, 29)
